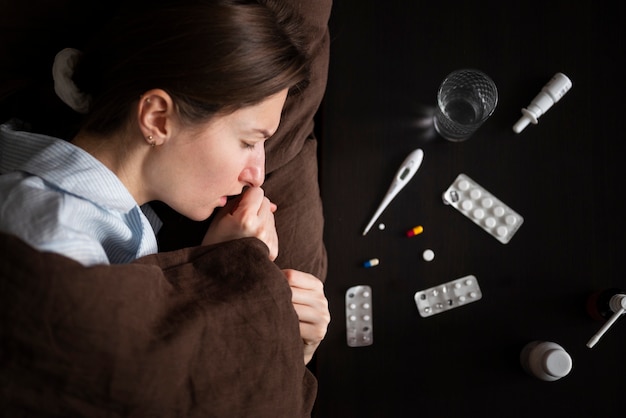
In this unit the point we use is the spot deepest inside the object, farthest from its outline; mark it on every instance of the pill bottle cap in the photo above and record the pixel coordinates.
(557, 363)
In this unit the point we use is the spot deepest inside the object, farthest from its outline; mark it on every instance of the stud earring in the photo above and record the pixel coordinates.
(151, 141)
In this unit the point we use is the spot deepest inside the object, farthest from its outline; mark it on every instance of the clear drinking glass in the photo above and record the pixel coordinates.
(466, 98)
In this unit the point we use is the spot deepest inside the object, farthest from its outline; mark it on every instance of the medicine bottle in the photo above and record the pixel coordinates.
(545, 360)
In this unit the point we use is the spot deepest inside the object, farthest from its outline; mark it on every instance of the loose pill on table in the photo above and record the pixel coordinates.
(415, 231)
(371, 263)
(428, 255)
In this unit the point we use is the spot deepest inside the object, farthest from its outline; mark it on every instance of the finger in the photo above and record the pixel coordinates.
(251, 199)
(310, 315)
(303, 280)
(313, 332)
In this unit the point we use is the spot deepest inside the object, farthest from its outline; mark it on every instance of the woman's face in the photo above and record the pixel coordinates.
(200, 166)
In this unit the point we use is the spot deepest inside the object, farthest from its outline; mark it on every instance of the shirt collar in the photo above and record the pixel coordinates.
(63, 165)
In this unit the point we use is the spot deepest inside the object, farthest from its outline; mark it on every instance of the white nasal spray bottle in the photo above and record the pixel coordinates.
(549, 95)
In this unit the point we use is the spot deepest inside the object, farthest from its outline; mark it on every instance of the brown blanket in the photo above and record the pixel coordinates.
(204, 332)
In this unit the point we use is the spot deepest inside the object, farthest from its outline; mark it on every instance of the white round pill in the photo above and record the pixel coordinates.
(479, 213)
(498, 211)
(490, 222)
(464, 185)
(381, 227)
(467, 205)
(510, 220)
(502, 231)
(487, 202)
(428, 255)
(475, 194)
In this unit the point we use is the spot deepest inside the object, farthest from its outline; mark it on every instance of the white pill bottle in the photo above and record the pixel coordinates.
(545, 360)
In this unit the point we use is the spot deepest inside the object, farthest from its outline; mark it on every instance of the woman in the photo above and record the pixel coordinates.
(178, 104)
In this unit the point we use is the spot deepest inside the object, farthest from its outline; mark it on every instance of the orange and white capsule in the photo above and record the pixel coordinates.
(415, 231)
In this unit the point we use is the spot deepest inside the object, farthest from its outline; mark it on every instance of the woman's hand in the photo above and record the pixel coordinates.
(311, 306)
(249, 215)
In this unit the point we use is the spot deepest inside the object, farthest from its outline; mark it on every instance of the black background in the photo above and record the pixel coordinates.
(565, 176)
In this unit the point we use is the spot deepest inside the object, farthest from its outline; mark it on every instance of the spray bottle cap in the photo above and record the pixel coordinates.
(527, 117)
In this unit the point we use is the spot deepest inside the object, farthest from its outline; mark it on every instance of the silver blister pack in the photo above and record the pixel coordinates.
(447, 296)
(483, 208)
(359, 320)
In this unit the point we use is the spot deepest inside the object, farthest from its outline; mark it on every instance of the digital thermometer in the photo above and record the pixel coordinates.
(407, 170)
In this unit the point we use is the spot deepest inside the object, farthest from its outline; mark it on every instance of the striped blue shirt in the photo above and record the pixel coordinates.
(57, 197)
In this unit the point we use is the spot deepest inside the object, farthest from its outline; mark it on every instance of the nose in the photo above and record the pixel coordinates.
(253, 173)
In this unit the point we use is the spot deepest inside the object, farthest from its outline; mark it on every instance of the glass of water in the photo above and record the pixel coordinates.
(466, 98)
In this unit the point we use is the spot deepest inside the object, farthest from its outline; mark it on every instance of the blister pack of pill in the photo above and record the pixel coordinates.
(483, 208)
(359, 320)
(447, 296)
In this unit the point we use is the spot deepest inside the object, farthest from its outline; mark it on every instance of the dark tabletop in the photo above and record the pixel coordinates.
(565, 176)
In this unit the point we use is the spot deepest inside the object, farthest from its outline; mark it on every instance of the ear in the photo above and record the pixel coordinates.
(155, 114)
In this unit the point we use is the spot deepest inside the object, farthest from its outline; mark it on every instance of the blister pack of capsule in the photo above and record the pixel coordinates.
(447, 296)
(483, 208)
(359, 320)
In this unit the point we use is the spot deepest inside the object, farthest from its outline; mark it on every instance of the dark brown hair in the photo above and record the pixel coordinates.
(210, 56)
